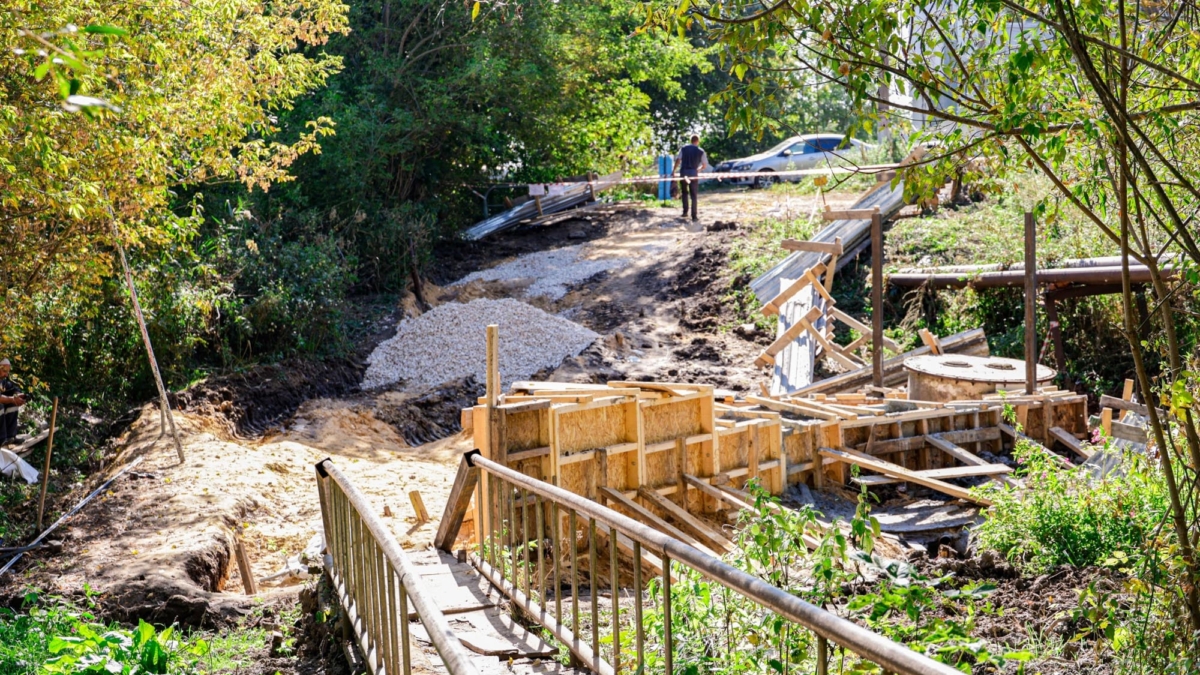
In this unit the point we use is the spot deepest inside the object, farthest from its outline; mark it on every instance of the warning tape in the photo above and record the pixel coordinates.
(873, 169)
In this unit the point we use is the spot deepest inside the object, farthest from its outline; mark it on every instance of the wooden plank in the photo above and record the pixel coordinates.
(930, 340)
(639, 512)
(1107, 401)
(896, 471)
(1106, 420)
(1129, 432)
(862, 328)
(245, 571)
(849, 214)
(833, 350)
(456, 505)
(809, 277)
(531, 453)
(1127, 391)
(828, 248)
(781, 406)
(524, 406)
(1066, 438)
(694, 525)
(950, 472)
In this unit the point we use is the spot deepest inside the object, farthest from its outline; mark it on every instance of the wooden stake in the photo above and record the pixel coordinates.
(164, 406)
(249, 586)
(1127, 392)
(46, 465)
(418, 505)
(1106, 421)
(1030, 304)
(877, 299)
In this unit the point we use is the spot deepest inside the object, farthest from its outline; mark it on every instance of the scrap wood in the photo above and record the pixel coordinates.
(972, 342)
(733, 500)
(802, 324)
(795, 408)
(648, 517)
(1008, 430)
(964, 456)
(693, 524)
(930, 340)
(862, 328)
(950, 472)
(828, 248)
(1068, 439)
(897, 471)
(806, 279)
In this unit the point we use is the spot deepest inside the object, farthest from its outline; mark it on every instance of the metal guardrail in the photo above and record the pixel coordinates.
(506, 500)
(375, 582)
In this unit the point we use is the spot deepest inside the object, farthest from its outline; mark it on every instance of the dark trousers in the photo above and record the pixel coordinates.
(8, 425)
(689, 186)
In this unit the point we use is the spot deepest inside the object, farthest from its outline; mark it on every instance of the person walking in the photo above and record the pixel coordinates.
(691, 160)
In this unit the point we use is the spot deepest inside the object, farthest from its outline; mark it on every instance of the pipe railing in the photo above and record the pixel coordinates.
(375, 582)
(506, 500)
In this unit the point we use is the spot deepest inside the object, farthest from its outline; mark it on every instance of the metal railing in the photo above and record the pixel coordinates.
(506, 500)
(376, 583)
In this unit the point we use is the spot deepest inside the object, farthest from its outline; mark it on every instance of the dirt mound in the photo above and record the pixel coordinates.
(253, 401)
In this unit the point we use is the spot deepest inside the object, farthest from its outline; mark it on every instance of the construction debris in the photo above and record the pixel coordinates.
(446, 343)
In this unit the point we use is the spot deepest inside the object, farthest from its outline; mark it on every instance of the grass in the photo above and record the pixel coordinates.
(992, 231)
(47, 628)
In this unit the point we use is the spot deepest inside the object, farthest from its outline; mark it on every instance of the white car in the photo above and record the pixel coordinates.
(810, 151)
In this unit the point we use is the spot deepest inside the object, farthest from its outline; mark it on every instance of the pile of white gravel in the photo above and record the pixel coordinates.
(551, 271)
(449, 342)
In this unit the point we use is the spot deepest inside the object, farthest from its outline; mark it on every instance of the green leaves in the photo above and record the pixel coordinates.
(104, 29)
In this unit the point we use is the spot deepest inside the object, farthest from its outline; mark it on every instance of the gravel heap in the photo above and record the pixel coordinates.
(448, 342)
(551, 271)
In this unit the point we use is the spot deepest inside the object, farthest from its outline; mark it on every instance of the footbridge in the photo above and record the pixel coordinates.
(548, 581)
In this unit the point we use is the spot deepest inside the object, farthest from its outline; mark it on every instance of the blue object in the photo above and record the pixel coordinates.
(666, 165)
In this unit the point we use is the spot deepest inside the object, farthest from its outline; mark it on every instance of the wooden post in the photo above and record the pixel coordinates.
(456, 506)
(164, 405)
(46, 464)
(1060, 353)
(418, 507)
(681, 469)
(877, 298)
(1030, 306)
(249, 586)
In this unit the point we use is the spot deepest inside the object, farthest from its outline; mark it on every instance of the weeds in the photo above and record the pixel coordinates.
(1066, 517)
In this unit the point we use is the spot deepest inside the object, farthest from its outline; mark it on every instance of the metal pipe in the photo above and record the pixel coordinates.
(637, 605)
(1138, 274)
(614, 587)
(871, 646)
(668, 642)
(592, 590)
(453, 654)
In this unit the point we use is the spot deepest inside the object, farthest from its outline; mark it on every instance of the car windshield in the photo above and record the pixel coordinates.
(781, 147)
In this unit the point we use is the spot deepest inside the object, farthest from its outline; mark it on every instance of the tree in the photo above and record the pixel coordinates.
(1100, 96)
(109, 120)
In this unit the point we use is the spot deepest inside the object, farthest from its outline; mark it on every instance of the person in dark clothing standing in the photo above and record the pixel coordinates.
(11, 398)
(691, 160)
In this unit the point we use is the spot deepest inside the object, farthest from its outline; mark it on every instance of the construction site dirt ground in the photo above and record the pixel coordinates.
(158, 543)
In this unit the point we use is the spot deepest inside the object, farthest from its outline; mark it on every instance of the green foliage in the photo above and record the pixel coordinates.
(1066, 517)
(720, 632)
(54, 637)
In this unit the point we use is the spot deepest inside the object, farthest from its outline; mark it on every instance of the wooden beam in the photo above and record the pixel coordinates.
(795, 409)
(877, 299)
(696, 526)
(850, 214)
(802, 324)
(896, 471)
(457, 504)
(1030, 304)
(774, 304)
(930, 340)
(639, 512)
(814, 246)
(950, 472)
(862, 328)
(1066, 438)
(1107, 401)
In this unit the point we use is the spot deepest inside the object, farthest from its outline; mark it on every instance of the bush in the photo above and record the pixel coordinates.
(53, 636)
(1066, 517)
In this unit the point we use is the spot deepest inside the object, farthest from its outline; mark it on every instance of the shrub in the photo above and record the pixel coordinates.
(1065, 516)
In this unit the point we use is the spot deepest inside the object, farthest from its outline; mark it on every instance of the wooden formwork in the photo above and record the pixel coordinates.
(627, 443)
